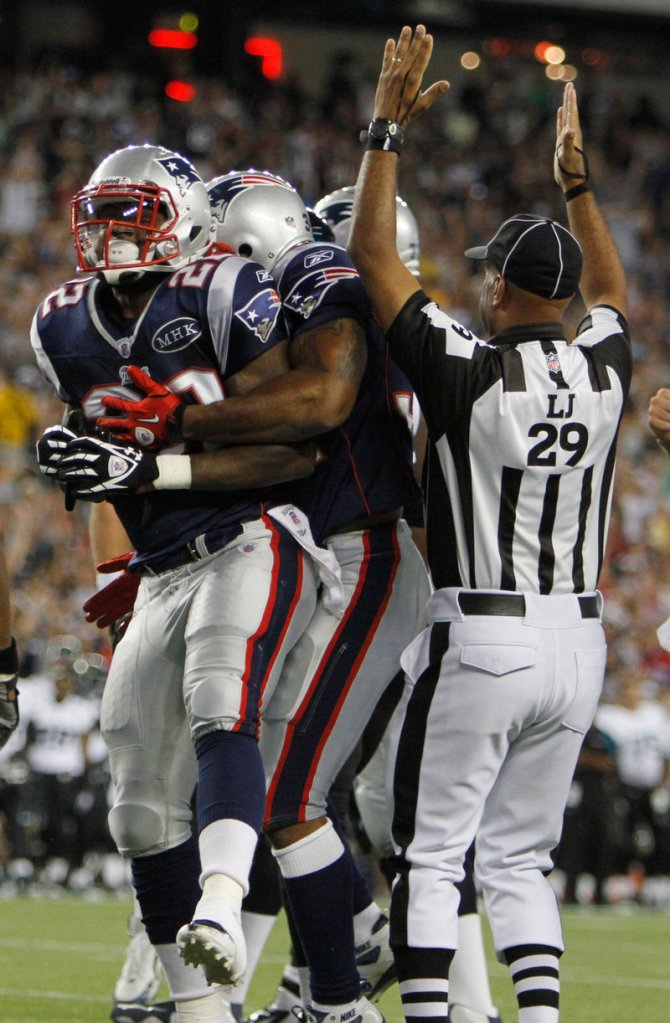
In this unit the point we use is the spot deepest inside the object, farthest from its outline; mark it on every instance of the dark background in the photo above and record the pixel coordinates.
(113, 35)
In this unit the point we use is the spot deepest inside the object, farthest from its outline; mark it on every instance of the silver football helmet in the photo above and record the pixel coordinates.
(143, 207)
(336, 208)
(258, 214)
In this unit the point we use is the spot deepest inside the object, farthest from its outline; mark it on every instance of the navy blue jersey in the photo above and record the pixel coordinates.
(201, 326)
(368, 466)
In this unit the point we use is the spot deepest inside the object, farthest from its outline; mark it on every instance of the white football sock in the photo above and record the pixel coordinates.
(468, 974)
(256, 927)
(184, 982)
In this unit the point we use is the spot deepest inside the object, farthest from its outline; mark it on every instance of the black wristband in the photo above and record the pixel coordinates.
(572, 193)
(383, 134)
(9, 659)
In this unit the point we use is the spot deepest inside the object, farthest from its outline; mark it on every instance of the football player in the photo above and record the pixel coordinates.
(343, 389)
(226, 582)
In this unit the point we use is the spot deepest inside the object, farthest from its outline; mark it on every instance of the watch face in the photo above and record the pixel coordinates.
(379, 129)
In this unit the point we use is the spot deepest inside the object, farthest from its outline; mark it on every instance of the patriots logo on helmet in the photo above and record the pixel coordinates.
(225, 191)
(340, 211)
(218, 207)
(260, 313)
(181, 171)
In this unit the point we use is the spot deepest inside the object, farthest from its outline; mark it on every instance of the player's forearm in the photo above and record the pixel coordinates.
(238, 468)
(290, 408)
(107, 537)
(603, 281)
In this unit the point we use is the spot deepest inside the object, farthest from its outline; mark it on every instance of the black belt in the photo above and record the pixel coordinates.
(368, 521)
(513, 605)
(195, 550)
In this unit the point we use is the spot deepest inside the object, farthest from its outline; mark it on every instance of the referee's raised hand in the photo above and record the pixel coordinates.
(399, 97)
(570, 164)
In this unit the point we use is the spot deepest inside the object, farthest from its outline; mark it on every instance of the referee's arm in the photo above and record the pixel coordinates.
(603, 281)
(372, 239)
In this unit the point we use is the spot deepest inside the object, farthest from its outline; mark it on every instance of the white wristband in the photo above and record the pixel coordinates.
(174, 472)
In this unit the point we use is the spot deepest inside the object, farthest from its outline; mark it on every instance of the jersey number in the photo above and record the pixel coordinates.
(203, 384)
(572, 437)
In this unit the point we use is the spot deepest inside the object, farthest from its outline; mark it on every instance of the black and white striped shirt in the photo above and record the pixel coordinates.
(519, 473)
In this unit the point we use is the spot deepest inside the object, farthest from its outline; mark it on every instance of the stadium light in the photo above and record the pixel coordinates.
(270, 52)
(180, 91)
(172, 39)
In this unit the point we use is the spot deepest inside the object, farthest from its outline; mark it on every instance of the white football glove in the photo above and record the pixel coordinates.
(93, 469)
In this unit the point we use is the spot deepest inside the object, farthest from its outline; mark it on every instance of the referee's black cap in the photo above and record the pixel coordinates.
(536, 254)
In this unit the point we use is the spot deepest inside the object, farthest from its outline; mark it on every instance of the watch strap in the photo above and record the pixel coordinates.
(383, 134)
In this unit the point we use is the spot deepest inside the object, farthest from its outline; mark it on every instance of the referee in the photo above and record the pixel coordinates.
(504, 683)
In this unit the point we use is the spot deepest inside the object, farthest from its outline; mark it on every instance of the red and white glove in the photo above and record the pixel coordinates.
(113, 604)
(153, 421)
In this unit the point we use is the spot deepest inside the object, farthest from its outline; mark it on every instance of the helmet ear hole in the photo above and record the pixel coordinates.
(259, 215)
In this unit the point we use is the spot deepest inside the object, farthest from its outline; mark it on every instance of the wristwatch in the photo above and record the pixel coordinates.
(384, 134)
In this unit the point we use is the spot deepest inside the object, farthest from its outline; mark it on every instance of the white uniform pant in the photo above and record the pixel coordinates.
(484, 743)
(188, 664)
(339, 668)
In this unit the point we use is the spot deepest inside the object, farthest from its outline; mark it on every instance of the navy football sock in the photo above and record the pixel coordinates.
(167, 890)
(321, 902)
(265, 885)
(231, 781)
(361, 893)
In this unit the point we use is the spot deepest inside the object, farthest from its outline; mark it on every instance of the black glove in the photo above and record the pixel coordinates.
(51, 448)
(93, 469)
(9, 694)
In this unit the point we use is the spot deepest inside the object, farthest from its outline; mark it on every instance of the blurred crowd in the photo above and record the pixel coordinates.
(481, 154)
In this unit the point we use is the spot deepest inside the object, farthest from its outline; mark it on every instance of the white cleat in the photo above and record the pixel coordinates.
(140, 975)
(207, 944)
(374, 961)
(362, 1011)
